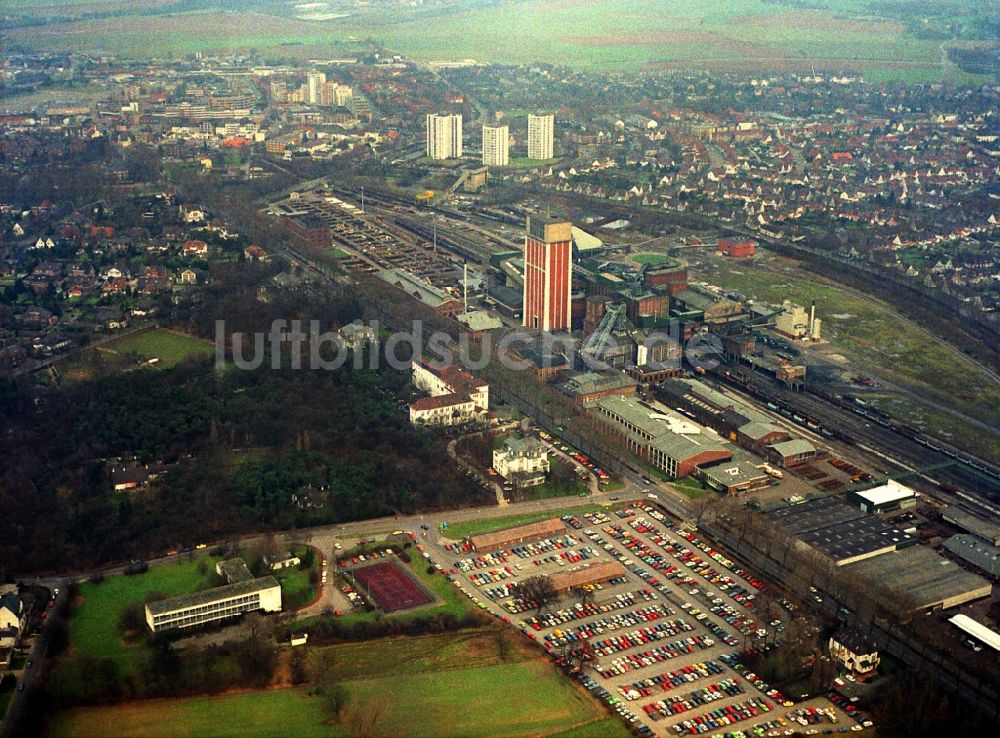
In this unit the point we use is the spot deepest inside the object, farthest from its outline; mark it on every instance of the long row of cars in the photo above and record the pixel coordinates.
(680, 602)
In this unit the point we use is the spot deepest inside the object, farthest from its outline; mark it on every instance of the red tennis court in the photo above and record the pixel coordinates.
(390, 586)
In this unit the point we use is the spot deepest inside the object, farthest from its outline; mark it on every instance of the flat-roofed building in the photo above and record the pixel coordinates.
(444, 136)
(733, 477)
(541, 130)
(563, 581)
(984, 529)
(977, 630)
(548, 274)
(517, 534)
(496, 146)
(210, 605)
(889, 496)
(923, 578)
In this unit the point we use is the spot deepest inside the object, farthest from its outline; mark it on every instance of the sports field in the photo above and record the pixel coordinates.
(169, 347)
(390, 586)
(750, 34)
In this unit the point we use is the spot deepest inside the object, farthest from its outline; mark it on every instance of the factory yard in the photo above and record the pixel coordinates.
(658, 619)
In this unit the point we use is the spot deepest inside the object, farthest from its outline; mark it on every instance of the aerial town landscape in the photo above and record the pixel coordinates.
(499, 368)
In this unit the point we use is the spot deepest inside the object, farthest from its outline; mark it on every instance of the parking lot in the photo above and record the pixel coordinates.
(661, 643)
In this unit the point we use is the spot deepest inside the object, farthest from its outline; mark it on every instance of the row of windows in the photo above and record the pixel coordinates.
(211, 607)
(187, 622)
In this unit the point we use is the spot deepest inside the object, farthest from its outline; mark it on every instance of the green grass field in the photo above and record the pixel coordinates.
(690, 488)
(523, 162)
(467, 701)
(652, 259)
(412, 686)
(93, 625)
(168, 346)
(457, 531)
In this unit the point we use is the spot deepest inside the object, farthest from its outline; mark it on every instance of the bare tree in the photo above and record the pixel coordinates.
(363, 719)
(538, 590)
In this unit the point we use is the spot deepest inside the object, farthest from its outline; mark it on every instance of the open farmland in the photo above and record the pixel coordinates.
(625, 33)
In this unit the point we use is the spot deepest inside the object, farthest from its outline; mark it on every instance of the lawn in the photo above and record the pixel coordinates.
(523, 162)
(690, 488)
(457, 531)
(416, 687)
(547, 491)
(296, 590)
(93, 625)
(651, 259)
(606, 728)
(168, 346)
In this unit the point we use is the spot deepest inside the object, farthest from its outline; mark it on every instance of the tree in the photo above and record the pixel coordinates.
(298, 665)
(132, 618)
(335, 697)
(501, 637)
(538, 590)
(363, 719)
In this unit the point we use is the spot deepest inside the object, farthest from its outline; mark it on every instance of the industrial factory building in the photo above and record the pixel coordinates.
(670, 442)
(927, 580)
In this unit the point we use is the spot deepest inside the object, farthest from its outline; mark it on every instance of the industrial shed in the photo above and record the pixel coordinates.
(977, 552)
(859, 539)
(518, 534)
(889, 496)
(930, 580)
(977, 630)
(984, 529)
(814, 514)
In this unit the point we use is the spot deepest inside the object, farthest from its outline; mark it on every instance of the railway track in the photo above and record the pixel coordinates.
(962, 480)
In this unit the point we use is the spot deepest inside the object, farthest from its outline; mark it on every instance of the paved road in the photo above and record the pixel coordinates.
(38, 645)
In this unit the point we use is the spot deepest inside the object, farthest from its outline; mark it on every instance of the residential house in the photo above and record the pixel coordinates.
(855, 652)
(195, 248)
(456, 397)
(253, 252)
(522, 461)
(282, 560)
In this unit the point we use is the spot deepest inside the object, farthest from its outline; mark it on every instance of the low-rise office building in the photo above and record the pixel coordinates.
(211, 605)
